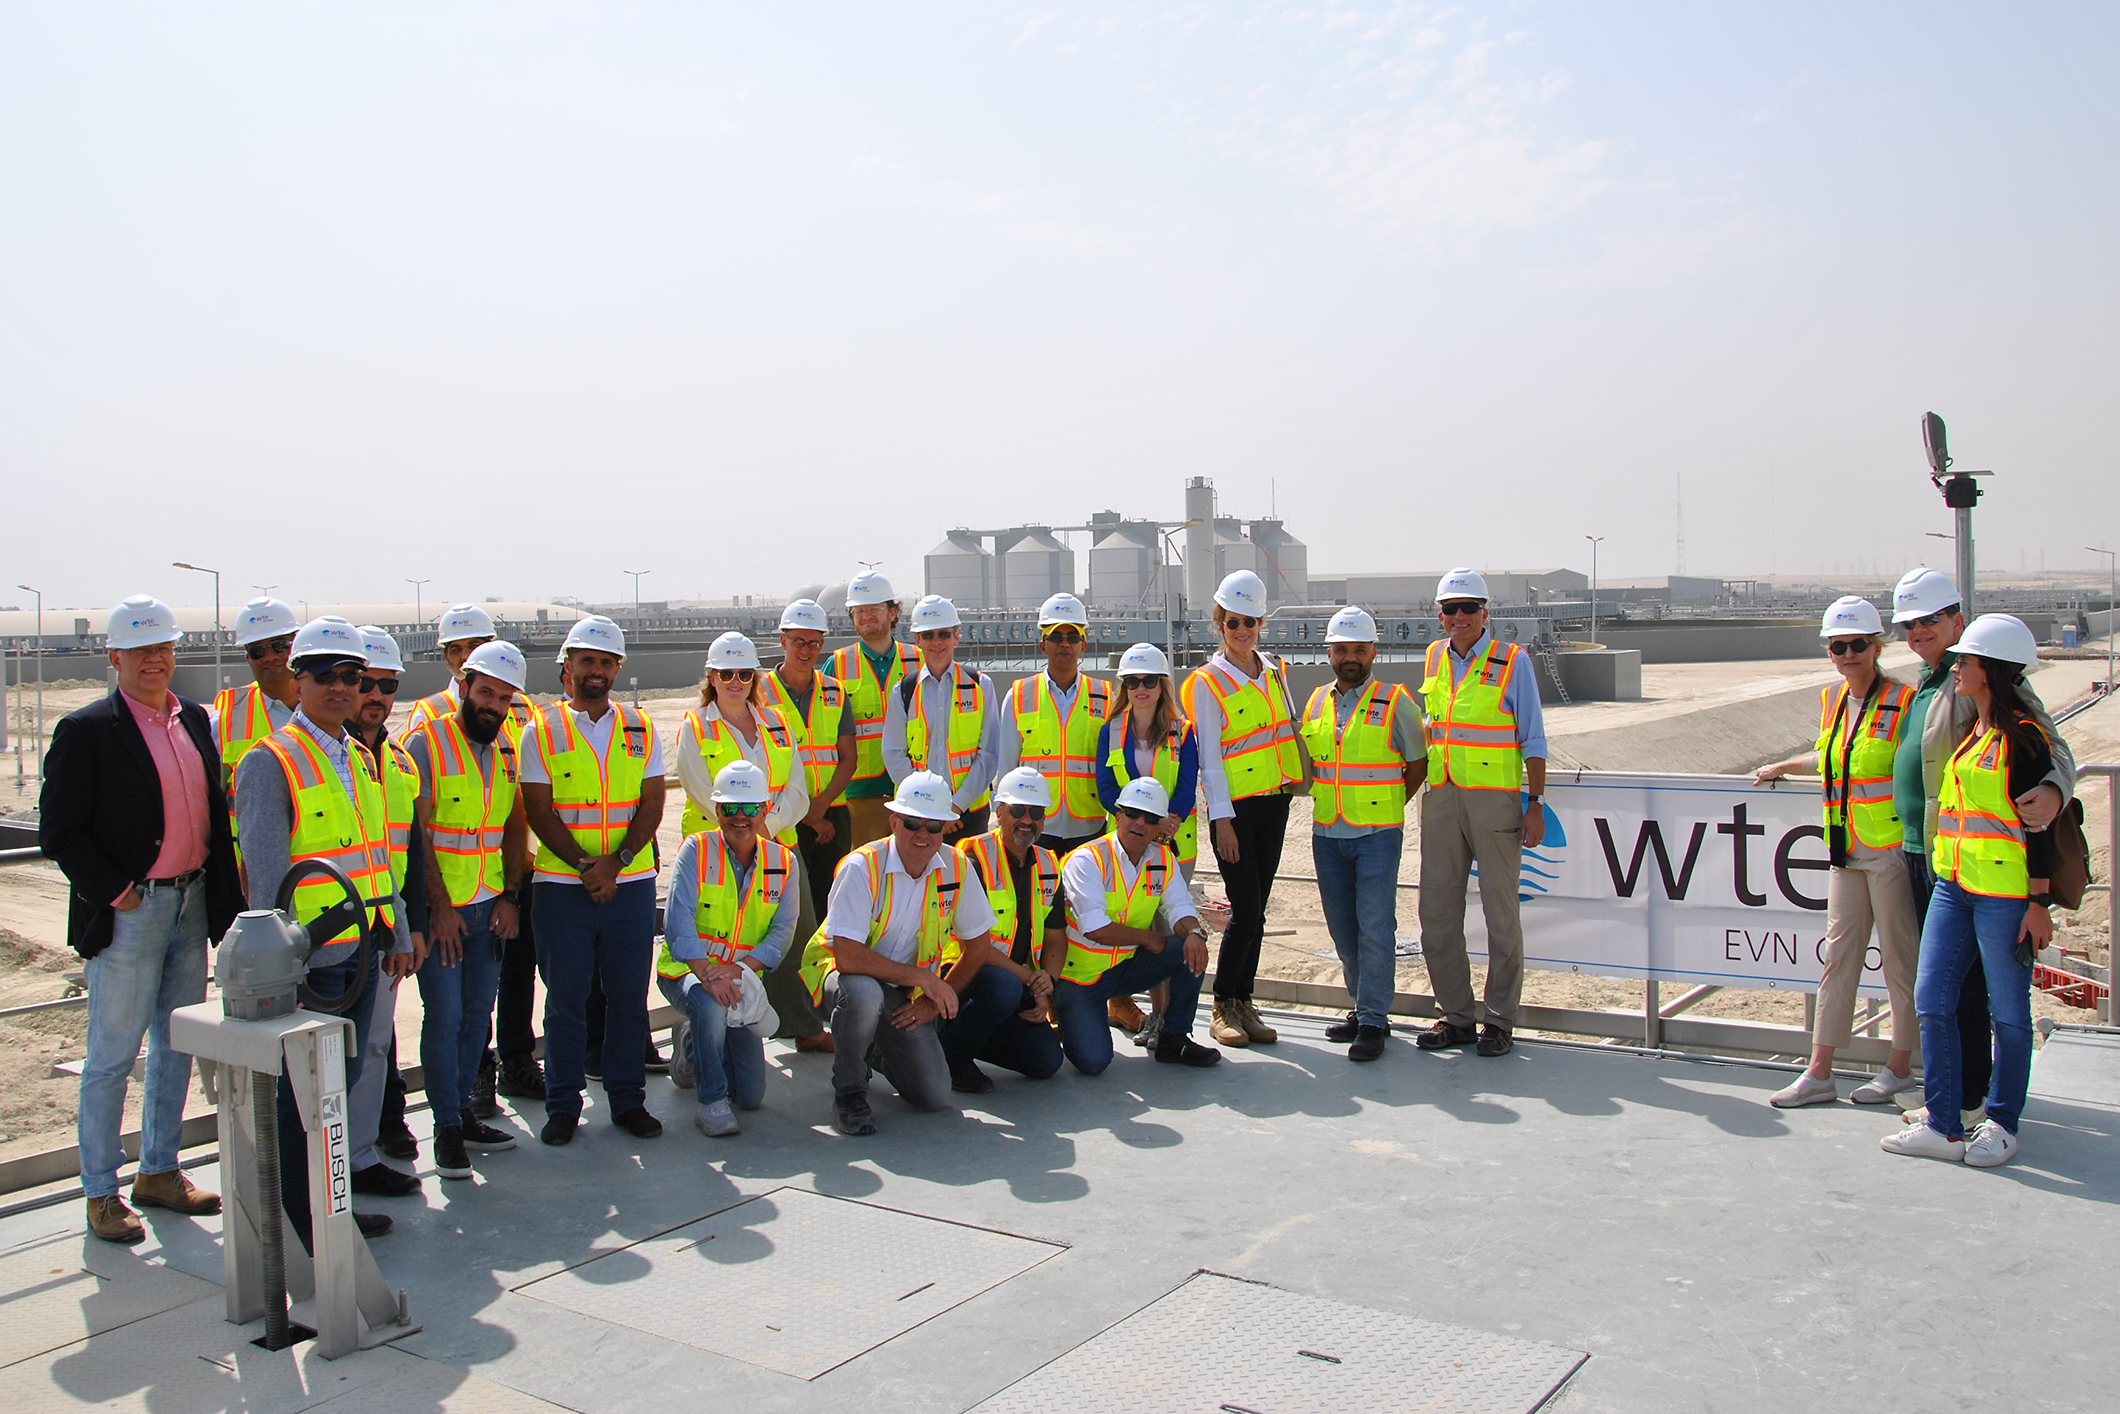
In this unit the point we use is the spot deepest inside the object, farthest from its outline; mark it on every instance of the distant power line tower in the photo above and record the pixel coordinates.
(1679, 523)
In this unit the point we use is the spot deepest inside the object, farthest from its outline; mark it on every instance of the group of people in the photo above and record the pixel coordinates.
(886, 859)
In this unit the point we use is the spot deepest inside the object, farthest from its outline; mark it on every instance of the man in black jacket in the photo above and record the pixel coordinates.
(132, 810)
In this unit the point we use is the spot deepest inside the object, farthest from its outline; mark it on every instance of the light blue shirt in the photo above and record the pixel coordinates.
(1520, 698)
(335, 748)
(681, 911)
(935, 703)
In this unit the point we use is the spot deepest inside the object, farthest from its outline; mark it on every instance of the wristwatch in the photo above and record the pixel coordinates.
(2043, 899)
(1533, 799)
(625, 857)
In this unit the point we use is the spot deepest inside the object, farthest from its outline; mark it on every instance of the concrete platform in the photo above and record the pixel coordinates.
(1707, 1251)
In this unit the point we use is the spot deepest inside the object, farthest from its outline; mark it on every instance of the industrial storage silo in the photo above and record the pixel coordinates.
(1234, 550)
(1035, 566)
(1123, 564)
(1284, 563)
(961, 571)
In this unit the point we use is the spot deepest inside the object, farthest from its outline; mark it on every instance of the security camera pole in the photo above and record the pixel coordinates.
(1961, 493)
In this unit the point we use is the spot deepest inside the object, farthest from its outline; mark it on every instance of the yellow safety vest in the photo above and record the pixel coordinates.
(937, 946)
(1862, 774)
(1471, 734)
(817, 734)
(731, 921)
(594, 797)
(400, 777)
(1119, 757)
(989, 855)
(1979, 835)
(353, 834)
(1062, 748)
(865, 698)
(241, 721)
(1135, 907)
(1259, 753)
(718, 745)
(445, 704)
(967, 724)
(469, 820)
(1357, 775)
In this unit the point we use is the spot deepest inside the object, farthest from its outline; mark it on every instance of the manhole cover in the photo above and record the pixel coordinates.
(793, 1281)
(1218, 1343)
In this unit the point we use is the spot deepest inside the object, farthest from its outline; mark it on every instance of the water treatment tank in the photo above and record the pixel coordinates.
(1034, 567)
(961, 571)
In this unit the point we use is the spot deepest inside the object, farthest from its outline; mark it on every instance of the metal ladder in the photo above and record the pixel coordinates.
(1552, 660)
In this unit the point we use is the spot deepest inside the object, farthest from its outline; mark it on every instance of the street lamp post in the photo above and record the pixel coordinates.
(419, 607)
(1595, 541)
(636, 588)
(201, 569)
(2112, 608)
(40, 675)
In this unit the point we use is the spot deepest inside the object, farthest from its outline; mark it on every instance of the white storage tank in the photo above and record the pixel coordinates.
(1034, 567)
(1123, 564)
(1284, 563)
(961, 571)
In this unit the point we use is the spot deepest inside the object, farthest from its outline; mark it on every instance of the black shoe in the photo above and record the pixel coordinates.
(1341, 1032)
(851, 1114)
(559, 1129)
(485, 1138)
(450, 1160)
(638, 1123)
(373, 1224)
(1443, 1034)
(1184, 1050)
(384, 1181)
(968, 1079)
(483, 1105)
(655, 1063)
(1495, 1040)
(1368, 1044)
(520, 1079)
(400, 1145)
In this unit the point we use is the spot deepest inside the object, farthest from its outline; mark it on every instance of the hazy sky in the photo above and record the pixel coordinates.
(516, 296)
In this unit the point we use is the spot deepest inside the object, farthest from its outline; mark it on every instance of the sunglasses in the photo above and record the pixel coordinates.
(935, 635)
(1145, 817)
(1070, 637)
(1460, 606)
(1239, 621)
(344, 677)
(387, 686)
(267, 648)
(735, 674)
(924, 827)
(749, 809)
(1840, 647)
(1025, 812)
(1136, 684)
(1931, 620)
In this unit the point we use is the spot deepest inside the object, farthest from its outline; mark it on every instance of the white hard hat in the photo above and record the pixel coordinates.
(383, 653)
(1145, 793)
(740, 783)
(501, 661)
(1024, 786)
(1243, 593)
(732, 651)
(934, 612)
(1062, 609)
(2000, 636)
(264, 618)
(805, 613)
(869, 587)
(463, 621)
(142, 621)
(1351, 625)
(330, 639)
(596, 633)
(1143, 658)
(1851, 613)
(925, 796)
(1461, 583)
(1921, 592)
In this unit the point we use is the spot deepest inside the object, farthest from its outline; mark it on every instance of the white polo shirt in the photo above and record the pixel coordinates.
(850, 906)
(1084, 883)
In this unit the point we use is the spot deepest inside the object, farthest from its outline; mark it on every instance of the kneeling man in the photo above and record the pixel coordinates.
(1002, 1016)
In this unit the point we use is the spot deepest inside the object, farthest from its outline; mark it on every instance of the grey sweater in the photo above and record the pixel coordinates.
(265, 820)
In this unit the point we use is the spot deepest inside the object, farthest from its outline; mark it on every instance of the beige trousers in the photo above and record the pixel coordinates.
(1458, 827)
(1869, 894)
(870, 819)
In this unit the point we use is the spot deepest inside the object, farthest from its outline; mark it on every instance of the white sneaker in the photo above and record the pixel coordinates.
(1883, 1087)
(1923, 1143)
(1807, 1089)
(717, 1121)
(1991, 1146)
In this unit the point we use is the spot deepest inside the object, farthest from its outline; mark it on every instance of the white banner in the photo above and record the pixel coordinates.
(1678, 878)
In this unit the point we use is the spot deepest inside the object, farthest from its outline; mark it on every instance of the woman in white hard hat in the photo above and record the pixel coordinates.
(1251, 761)
(733, 721)
(1991, 897)
(1860, 723)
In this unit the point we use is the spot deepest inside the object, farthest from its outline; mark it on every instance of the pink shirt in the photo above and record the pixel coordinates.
(184, 827)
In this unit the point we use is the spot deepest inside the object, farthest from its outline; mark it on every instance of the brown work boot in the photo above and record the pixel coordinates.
(822, 1041)
(1226, 1029)
(175, 1192)
(1123, 1013)
(111, 1220)
(1248, 1018)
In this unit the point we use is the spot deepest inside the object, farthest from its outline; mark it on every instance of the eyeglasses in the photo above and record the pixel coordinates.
(1026, 812)
(935, 635)
(748, 809)
(1842, 646)
(1460, 606)
(387, 686)
(1239, 621)
(735, 674)
(267, 648)
(1136, 684)
(1069, 637)
(1931, 620)
(1144, 816)
(924, 827)
(344, 677)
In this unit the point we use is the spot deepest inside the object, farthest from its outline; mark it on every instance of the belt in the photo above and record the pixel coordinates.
(175, 881)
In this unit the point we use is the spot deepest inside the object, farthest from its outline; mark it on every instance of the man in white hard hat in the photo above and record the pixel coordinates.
(870, 671)
(1049, 721)
(943, 718)
(1368, 756)
(471, 808)
(244, 716)
(593, 795)
(890, 957)
(308, 791)
(1002, 1014)
(1927, 608)
(1486, 780)
(133, 814)
(459, 632)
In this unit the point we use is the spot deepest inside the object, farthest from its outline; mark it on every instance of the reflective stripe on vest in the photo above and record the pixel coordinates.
(469, 821)
(400, 777)
(594, 797)
(436, 705)
(1133, 906)
(866, 700)
(967, 726)
(1258, 740)
(1119, 757)
(1471, 734)
(1357, 775)
(1063, 748)
(1979, 836)
(989, 855)
(728, 921)
(1859, 770)
(325, 824)
(937, 944)
(817, 733)
(718, 744)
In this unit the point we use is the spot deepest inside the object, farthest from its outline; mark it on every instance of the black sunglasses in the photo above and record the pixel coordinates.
(1840, 647)
(749, 809)
(344, 677)
(266, 648)
(1239, 621)
(924, 827)
(1137, 683)
(1026, 812)
(1460, 606)
(1068, 637)
(1144, 816)
(735, 674)
(1931, 620)
(387, 686)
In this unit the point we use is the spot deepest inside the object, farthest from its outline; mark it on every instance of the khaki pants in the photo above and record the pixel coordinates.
(1458, 827)
(1871, 892)
(870, 819)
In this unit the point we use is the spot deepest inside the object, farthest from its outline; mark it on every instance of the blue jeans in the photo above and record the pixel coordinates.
(575, 934)
(1358, 883)
(1976, 1055)
(1962, 926)
(155, 963)
(457, 1002)
(987, 1027)
(327, 982)
(728, 1062)
(1085, 1029)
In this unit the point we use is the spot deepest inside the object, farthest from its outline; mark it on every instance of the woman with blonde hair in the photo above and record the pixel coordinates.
(733, 721)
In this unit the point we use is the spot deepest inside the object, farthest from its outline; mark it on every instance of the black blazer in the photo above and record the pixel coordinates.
(100, 817)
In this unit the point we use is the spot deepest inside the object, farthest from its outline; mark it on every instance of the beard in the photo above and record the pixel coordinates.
(481, 725)
(1350, 673)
